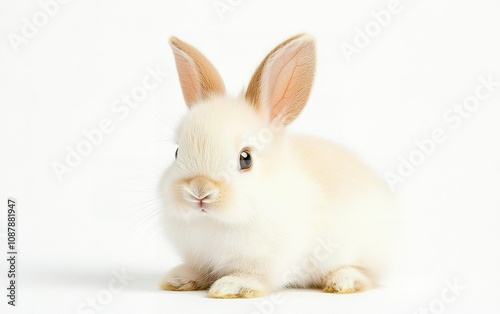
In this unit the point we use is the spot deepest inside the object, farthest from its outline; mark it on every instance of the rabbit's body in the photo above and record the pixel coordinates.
(306, 213)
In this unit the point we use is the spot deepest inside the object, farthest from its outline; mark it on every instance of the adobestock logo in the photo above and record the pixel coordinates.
(324, 250)
(122, 107)
(448, 295)
(364, 36)
(454, 118)
(30, 27)
(104, 297)
(222, 7)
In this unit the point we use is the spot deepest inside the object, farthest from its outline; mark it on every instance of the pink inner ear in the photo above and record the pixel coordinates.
(282, 80)
(288, 80)
(198, 77)
(189, 77)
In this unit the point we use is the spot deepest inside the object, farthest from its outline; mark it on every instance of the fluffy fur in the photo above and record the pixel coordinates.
(307, 213)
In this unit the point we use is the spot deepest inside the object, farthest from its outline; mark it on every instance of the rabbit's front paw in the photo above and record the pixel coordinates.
(183, 278)
(236, 286)
(346, 279)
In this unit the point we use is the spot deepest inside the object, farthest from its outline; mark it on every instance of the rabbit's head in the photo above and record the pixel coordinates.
(232, 151)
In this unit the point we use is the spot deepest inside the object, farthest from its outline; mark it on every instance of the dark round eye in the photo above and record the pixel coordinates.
(245, 160)
(176, 152)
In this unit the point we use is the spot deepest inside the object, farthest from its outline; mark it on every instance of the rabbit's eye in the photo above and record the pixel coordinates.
(245, 160)
(176, 152)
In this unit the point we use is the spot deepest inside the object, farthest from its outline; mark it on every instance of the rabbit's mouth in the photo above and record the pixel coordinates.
(204, 207)
(201, 206)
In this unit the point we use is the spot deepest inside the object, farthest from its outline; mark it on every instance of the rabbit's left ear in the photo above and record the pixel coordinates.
(198, 77)
(281, 85)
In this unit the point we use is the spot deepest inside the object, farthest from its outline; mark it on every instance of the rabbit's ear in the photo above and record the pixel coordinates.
(282, 83)
(198, 77)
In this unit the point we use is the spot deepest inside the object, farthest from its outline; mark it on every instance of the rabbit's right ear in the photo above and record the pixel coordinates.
(282, 83)
(198, 77)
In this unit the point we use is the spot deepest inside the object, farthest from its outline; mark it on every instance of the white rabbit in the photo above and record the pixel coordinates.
(252, 208)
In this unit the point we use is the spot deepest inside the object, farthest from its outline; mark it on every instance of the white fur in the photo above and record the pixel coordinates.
(306, 214)
(274, 220)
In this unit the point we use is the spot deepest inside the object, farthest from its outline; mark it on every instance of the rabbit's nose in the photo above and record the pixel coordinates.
(201, 189)
(201, 197)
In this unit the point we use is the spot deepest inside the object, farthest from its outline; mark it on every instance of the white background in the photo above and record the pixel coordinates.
(102, 217)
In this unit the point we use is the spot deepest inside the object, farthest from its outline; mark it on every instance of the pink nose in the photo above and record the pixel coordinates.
(201, 201)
